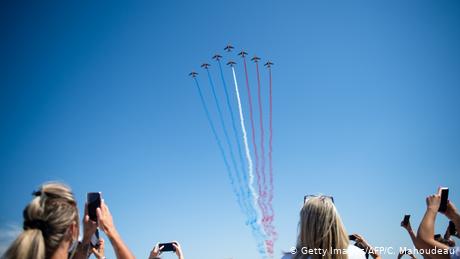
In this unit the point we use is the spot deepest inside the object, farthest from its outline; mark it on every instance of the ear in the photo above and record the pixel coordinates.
(73, 230)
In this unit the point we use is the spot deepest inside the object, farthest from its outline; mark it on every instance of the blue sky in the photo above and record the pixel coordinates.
(97, 95)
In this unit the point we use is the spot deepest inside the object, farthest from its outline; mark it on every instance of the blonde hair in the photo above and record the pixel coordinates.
(47, 219)
(320, 227)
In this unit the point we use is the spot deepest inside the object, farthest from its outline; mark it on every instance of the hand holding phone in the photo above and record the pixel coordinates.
(93, 202)
(167, 247)
(452, 230)
(405, 221)
(95, 241)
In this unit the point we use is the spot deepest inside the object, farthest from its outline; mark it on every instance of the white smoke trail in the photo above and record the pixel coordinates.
(246, 145)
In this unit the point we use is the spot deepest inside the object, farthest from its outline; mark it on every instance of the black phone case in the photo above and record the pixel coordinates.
(444, 200)
(167, 247)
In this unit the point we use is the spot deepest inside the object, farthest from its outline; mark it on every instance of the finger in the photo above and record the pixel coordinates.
(93, 223)
(99, 214)
(86, 208)
(161, 247)
(104, 206)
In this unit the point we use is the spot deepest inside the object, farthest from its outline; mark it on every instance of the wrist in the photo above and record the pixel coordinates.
(111, 233)
(432, 209)
(456, 219)
(86, 239)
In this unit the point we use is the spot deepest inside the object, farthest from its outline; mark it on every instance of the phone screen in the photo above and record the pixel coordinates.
(452, 229)
(406, 220)
(94, 202)
(444, 199)
(167, 247)
(95, 239)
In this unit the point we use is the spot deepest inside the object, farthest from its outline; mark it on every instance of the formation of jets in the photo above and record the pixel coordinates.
(217, 57)
(269, 64)
(242, 53)
(231, 63)
(228, 48)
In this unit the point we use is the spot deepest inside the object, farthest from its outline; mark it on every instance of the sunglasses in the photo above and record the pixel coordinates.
(322, 197)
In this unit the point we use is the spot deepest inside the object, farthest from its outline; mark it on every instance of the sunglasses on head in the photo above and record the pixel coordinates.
(306, 197)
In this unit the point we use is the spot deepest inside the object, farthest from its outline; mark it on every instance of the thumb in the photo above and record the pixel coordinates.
(99, 213)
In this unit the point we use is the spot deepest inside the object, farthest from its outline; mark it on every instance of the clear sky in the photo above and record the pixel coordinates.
(366, 108)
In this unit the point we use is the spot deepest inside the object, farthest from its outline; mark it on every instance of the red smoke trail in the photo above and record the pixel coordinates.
(256, 154)
(265, 217)
(262, 145)
(270, 151)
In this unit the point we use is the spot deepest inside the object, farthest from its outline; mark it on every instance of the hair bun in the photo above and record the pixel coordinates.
(36, 224)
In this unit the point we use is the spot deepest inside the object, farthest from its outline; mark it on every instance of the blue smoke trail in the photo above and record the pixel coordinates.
(219, 143)
(222, 123)
(256, 228)
(247, 192)
(252, 220)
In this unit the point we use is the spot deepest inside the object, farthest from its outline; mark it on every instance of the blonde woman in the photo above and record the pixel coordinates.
(321, 232)
(51, 228)
(50, 225)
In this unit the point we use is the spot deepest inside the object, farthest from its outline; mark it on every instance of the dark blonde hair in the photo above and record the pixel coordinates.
(47, 219)
(320, 226)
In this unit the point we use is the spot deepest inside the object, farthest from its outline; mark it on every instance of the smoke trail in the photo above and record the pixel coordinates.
(260, 198)
(219, 143)
(251, 116)
(245, 140)
(262, 142)
(235, 132)
(270, 151)
(248, 157)
(227, 138)
(267, 191)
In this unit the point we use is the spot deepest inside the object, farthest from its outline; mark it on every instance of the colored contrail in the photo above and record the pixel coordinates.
(266, 217)
(227, 138)
(251, 116)
(261, 244)
(271, 214)
(245, 140)
(260, 198)
(270, 147)
(219, 143)
(262, 137)
(232, 117)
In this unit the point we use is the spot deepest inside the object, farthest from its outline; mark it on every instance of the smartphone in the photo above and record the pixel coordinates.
(94, 202)
(452, 229)
(352, 237)
(167, 247)
(437, 237)
(444, 199)
(406, 220)
(95, 239)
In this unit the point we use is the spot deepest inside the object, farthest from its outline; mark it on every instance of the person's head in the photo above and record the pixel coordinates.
(320, 226)
(50, 223)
